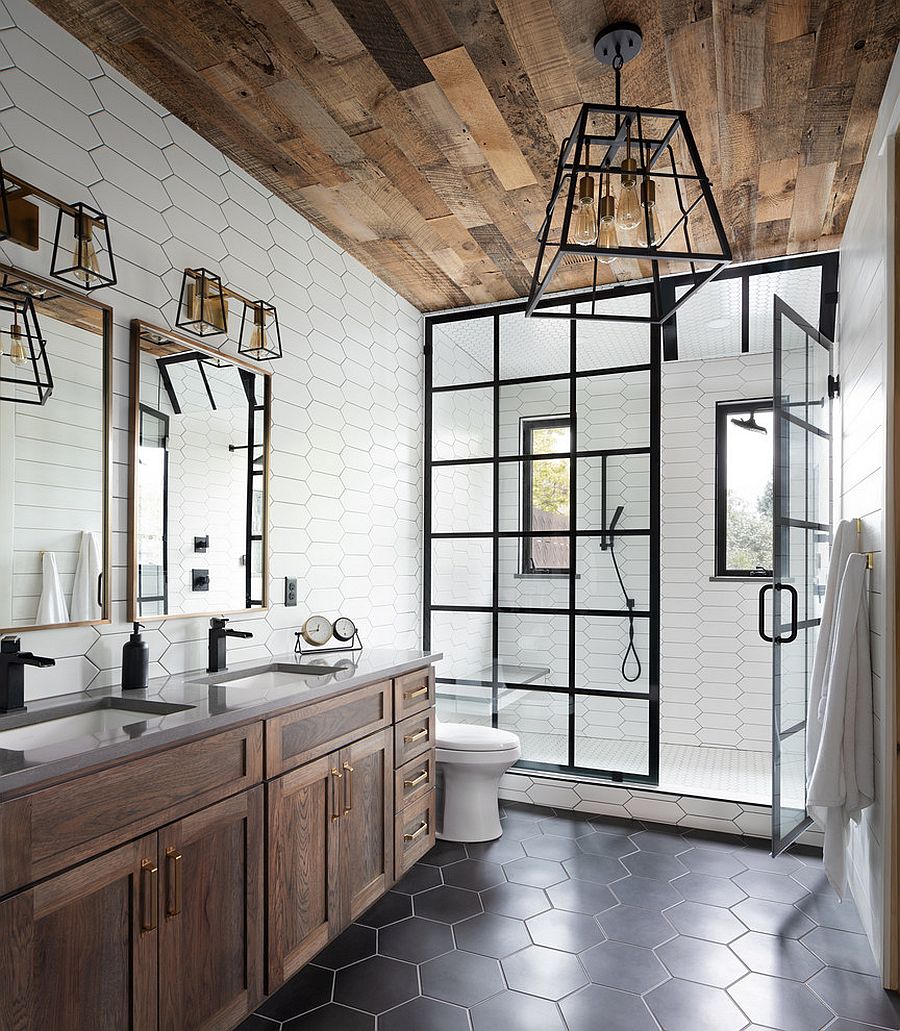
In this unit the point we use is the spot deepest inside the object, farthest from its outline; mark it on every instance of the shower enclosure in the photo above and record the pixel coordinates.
(542, 531)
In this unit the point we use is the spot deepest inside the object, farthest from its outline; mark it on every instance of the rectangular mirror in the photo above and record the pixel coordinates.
(55, 432)
(199, 496)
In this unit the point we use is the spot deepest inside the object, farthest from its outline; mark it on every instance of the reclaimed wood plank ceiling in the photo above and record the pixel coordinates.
(422, 135)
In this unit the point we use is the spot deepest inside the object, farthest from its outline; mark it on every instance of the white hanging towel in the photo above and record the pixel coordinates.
(52, 603)
(87, 576)
(842, 780)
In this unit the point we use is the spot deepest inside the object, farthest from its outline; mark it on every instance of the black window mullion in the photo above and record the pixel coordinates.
(495, 551)
(573, 523)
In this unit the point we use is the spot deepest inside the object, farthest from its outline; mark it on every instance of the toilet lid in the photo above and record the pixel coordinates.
(467, 738)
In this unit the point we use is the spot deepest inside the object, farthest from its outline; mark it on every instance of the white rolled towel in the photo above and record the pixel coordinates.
(52, 605)
(85, 590)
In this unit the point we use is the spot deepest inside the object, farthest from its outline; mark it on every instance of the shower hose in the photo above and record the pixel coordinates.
(630, 650)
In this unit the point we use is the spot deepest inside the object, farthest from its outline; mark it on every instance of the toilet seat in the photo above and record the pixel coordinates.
(462, 737)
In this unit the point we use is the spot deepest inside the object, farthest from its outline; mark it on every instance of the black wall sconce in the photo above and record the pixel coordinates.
(82, 246)
(23, 349)
(203, 309)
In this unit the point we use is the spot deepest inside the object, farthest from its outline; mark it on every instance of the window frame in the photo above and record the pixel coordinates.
(725, 410)
(528, 424)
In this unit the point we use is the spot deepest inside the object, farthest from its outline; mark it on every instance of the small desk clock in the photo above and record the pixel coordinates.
(317, 631)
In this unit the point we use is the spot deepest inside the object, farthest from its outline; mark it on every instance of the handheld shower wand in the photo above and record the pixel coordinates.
(630, 650)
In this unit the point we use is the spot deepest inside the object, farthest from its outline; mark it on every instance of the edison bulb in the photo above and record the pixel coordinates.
(648, 199)
(18, 353)
(608, 237)
(628, 210)
(84, 256)
(258, 336)
(585, 229)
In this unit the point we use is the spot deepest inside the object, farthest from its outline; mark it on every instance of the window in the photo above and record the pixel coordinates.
(545, 495)
(744, 488)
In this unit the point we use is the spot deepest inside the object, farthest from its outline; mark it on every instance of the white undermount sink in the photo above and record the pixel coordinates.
(270, 675)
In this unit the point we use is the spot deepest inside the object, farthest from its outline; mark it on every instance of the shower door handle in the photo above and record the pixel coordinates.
(792, 634)
(762, 612)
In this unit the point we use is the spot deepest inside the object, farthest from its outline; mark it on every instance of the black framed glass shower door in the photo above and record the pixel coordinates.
(802, 516)
(537, 646)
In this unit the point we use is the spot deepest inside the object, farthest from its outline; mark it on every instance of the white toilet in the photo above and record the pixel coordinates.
(470, 762)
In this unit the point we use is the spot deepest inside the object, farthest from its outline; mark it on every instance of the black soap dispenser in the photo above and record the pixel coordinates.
(135, 661)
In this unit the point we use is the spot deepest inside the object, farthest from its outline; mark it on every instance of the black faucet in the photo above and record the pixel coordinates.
(217, 634)
(12, 673)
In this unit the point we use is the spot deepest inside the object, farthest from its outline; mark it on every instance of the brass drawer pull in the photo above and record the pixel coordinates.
(418, 693)
(173, 881)
(336, 775)
(416, 781)
(418, 832)
(149, 871)
(411, 739)
(348, 788)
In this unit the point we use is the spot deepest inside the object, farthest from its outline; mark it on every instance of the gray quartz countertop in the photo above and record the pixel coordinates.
(58, 747)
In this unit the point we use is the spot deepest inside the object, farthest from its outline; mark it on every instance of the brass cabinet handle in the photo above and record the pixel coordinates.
(336, 775)
(173, 882)
(417, 780)
(419, 691)
(418, 832)
(149, 871)
(348, 788)
(411, 739)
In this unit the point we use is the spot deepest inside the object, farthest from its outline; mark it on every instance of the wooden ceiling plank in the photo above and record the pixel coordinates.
(436, 114)
(465, 89)
(426, 24)
(690, 53)
(374, 23)
(381, 149)
(405, 261)
(837, 57)
(827, 112)
(864, 110)
(740, 37)
(783, 121)
(775, 195)
(812, 197)
(787, 19)
(537, 38)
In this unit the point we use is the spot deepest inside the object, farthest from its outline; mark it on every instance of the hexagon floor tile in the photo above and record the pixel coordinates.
(565, 918)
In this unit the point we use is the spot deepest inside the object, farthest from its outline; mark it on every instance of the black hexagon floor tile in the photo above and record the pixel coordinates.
(636, 926)
(686, 1006)
(714, 863)
(666, 840)
(425, 1014)
(780, 957)
(581, 897)
(857, 997)
(711, 923)
(330, 1018)
(692, 959)
(619, 825)
(543, 972)
(774, 1002)
(844, 949)
(646, 893)
(415, 940)
(461, 977)
(356, 943)
(773, 887)
(376, 984)
(656, 865)
(772, 918)
(572, 825)
(602, 844)
(829, 911)
(602, 869)
(517, 1012)
(711, 891)
(551, 846)
(538, 873)
(627, 967)
(443, 853)
(490, 934)
(474, 874)
(308, 989)
(502, 850)
(420, 878)
(621, 1011)
(447, 904)
(568, 932)
(516, 900)
(387, 910)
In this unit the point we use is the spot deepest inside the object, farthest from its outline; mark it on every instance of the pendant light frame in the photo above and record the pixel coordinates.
(86, 221)
(20, 305)
(263, 315)
(656, 160)
(213, 315)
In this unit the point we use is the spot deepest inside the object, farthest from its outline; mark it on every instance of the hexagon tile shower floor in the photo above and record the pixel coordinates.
(569, 916)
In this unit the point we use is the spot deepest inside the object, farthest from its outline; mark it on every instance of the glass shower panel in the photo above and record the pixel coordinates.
(465, 640)
(598, 586)
(709, 323)
(462, 498)
(462, 351)
(801, 288)
(541, 719)
(461, 571)
(533, 347)
(612, 734)
(601, 648)
(533, 649)
(462, 424)
(522, 404)
(518, 589)
(604, 345)
(613, 411)
(626, 483)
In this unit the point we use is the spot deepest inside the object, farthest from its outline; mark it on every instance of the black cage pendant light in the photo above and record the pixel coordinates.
(630, 187)
(260, 337)
(24, 368)
(202, 307)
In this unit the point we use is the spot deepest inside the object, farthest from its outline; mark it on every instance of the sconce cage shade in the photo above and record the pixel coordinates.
(85, 258)
(25, 376)
(673, 225)
(260, 334)
(202, 308)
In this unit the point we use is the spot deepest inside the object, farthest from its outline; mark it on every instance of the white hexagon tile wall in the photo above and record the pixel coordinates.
(346, 485)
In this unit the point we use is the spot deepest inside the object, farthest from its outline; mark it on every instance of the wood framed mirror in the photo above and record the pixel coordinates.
(55, 465)
(199, 479)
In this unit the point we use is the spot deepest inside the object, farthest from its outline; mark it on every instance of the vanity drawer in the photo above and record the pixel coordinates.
(305, 734)
(413, 834)
(413, 692)
(413, 736)
(58, 826)
(414, 780)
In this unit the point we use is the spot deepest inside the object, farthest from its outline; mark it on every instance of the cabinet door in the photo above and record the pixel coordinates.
(211, 915)
(79, 951)
(304, 812)
(367, 847)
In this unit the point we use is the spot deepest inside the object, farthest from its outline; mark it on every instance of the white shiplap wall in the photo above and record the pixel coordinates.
(347, 414)
(865, 345)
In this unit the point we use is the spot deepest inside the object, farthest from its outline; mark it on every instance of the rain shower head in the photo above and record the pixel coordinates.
(750, 423)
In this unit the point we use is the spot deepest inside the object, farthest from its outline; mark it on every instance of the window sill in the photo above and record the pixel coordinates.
(741, 579)
(544, 576)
